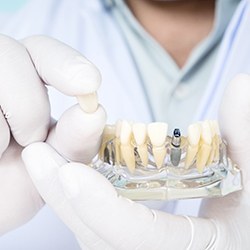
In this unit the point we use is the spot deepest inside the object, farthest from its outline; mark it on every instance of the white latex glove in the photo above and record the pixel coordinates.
(101, 219)
(25, 113)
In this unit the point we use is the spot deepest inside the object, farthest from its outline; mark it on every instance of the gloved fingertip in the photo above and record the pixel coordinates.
(79, 179)
(41, 160)
(68, 175)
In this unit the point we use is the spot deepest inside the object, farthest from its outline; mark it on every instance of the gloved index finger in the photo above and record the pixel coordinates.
(23, 97)
(62, 67)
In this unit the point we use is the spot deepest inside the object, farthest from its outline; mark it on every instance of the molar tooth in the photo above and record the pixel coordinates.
(194, 134)
(140, 136)
(88, 102)
(205, 146)
(127, 149)
(157, 133)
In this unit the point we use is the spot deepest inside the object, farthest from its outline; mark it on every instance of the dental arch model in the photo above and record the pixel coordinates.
(144, 162)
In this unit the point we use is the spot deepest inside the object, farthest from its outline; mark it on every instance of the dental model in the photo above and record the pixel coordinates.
(143, 162)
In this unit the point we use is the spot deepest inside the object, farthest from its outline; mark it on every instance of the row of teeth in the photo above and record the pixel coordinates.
(203, 142)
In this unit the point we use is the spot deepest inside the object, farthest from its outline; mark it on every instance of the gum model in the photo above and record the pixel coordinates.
(144, 163)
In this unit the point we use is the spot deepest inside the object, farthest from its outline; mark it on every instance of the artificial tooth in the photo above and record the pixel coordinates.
(127, 149)
(205, 146)
(117, 141)
(216, 140)
(140, 136)
(194, 134)
(88, 102)
(214, 155)
(108, 134)
(157, 133)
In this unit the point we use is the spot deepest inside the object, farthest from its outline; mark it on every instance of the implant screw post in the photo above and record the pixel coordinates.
(175, 153)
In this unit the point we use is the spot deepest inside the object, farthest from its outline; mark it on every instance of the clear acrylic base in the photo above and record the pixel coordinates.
(218, 180)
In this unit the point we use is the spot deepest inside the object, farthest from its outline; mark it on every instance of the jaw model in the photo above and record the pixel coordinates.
(200, 148)
(143, 162)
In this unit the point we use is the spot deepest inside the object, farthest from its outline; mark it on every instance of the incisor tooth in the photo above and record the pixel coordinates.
(205, 146)
(194, 134)
(157, 133)
(127, 149)
(88, 102)
(140, 136)
(206, 133)
(140, 133)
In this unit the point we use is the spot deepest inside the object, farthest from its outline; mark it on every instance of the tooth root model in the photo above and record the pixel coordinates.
(157, 133)
(204, 147)
(127, 149)
(193, 138)
(108, 134)
(140, 136)
(117, 142)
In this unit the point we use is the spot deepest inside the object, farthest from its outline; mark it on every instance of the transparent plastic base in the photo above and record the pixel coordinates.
(169, 182)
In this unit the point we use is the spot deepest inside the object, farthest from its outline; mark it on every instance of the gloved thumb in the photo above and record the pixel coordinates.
(77, 134)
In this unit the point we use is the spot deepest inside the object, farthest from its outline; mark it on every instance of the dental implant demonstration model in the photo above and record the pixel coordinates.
(144, 163)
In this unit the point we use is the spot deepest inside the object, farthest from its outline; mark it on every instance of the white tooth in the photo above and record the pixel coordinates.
(140, 136)
(194, 134)
(211, 157)
(205, 146)
(118, 128)
(157, 133)
(190, 156)
(206, 133)
(127, 149)
(140, 133)
(214, 156)
(213, 145)
(126, 132)
(88, 102)
(202, 156)
(215, 126)
(117, 142)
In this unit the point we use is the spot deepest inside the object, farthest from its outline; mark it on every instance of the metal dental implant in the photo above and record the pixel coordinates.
(175, 153)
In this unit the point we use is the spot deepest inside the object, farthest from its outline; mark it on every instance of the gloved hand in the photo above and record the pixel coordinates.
(25, 116)
(101, 219)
